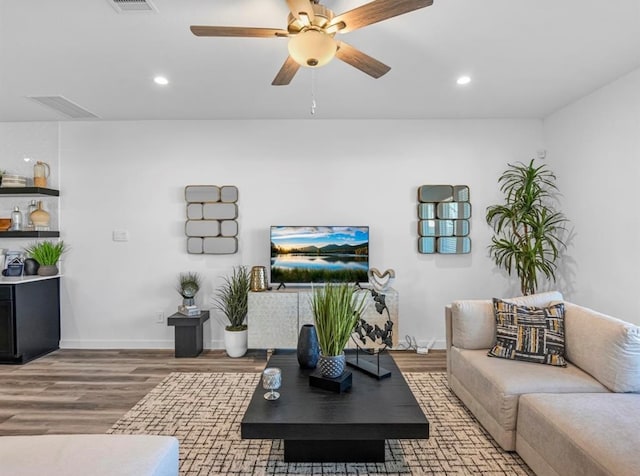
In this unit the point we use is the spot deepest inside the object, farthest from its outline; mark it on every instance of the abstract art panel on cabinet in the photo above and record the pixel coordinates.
(443, 219)
(211, 225)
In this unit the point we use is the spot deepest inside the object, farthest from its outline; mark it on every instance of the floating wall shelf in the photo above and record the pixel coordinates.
(29, 234)
(24, 191)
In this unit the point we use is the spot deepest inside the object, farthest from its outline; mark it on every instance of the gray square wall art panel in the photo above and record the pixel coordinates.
(212, 213)
(444, 212)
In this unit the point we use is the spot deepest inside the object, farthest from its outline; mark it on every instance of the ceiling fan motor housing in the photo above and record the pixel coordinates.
(322, 19)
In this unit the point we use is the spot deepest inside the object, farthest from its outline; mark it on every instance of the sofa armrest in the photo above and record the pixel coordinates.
(448, 323)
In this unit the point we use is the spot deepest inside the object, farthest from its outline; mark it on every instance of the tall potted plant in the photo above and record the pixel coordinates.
(232, 300)
(528, 229)
(336, 309)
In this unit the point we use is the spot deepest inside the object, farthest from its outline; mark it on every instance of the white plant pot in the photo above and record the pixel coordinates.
(235, 343)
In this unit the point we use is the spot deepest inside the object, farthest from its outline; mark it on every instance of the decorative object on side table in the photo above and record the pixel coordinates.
(232, 300)
(188, 286)
(47, 254)
(374, 334)
(336, 309)
(271, 380)
(308, 349)
(528, 229)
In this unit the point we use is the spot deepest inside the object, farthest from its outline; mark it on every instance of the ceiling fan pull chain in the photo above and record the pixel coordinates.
(313, 92)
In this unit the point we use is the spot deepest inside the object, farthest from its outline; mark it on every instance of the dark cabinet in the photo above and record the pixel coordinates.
(29, 319)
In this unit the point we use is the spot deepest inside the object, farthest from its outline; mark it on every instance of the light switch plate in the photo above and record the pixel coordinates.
(120, 235)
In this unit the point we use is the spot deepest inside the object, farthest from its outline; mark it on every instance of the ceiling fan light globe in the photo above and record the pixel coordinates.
(312, 48)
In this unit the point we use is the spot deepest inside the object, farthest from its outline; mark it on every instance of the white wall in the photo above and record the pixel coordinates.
(594, 147)
(131, 175)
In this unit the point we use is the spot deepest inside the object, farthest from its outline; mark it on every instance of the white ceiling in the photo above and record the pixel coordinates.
(527, 58)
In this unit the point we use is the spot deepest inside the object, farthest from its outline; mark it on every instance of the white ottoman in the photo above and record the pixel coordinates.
(82, 455)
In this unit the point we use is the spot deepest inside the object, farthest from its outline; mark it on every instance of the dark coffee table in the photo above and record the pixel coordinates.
(321, 426)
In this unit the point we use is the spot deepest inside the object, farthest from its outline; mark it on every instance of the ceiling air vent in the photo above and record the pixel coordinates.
(123, 6)
(64, 106)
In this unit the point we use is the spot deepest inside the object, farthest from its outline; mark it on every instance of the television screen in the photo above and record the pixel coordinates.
(319, 254)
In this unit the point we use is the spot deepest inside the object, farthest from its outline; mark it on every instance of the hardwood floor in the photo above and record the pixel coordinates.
(87, 391)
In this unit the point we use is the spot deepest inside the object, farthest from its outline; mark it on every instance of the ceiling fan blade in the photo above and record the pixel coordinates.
(301, 6)
(286, 73)
(247, 32)
(376, 11)
(363, 62)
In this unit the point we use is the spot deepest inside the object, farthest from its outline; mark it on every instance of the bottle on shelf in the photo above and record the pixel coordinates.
(41, 172)
(16, 219)
(40, 218)
(33, 206)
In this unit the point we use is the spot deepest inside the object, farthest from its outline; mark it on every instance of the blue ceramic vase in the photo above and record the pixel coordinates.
(308, 347)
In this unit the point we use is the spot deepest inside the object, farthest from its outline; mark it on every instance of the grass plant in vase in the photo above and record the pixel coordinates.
(47, 254)
(188, 286)
(232, 300)
(336, 309)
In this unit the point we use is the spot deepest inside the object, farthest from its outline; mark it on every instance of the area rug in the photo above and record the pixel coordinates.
(204, 410)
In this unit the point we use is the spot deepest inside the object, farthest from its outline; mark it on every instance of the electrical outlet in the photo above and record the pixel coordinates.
(159, 315)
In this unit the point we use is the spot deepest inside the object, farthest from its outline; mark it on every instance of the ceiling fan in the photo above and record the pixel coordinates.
(311, 29)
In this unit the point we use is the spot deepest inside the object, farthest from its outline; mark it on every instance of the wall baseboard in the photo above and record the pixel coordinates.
(129, 344)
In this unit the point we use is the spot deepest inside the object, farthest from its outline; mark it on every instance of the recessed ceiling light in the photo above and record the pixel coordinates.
(462, 80)
(161, 80)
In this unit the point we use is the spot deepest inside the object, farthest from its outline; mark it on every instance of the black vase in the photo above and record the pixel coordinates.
(308, 347)
(31, 266)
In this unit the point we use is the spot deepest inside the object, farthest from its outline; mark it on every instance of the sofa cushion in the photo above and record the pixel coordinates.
(473, 324)
(603, 346)
(498, 383)
(528, 333)
(592, 434)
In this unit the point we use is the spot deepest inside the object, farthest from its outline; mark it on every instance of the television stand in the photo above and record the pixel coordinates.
(281, 286)
(274, 318)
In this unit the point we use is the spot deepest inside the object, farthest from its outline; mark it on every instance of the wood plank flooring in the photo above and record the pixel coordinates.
(87, 391)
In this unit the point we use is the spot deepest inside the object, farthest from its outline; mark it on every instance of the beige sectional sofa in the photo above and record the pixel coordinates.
(580, 419)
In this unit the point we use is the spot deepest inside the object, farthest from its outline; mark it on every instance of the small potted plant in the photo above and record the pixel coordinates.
(47, 254)
(232, 300)
(188, 286)
(336, 309)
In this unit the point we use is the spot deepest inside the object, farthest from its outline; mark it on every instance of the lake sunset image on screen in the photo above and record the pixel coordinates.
(319, 254)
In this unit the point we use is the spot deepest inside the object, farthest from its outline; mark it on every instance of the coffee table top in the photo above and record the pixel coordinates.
(371, 410)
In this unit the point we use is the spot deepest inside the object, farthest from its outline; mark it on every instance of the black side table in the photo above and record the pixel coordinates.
(188, 333)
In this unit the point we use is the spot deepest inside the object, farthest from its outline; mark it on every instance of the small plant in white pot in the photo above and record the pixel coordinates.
(232, 300)
(336, 310)
(47, 254)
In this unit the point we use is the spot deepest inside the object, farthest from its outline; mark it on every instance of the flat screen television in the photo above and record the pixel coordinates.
(319, 254)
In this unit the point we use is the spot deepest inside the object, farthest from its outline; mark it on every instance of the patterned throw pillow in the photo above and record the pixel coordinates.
(532, 334)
